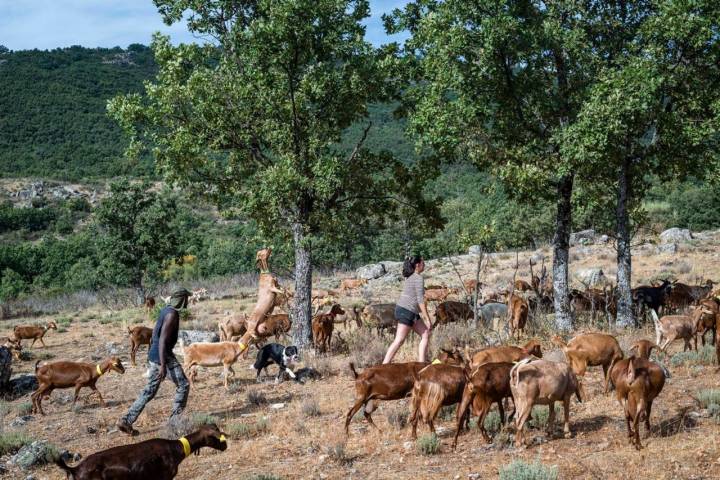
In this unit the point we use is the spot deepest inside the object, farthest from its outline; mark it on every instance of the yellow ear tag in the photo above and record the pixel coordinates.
(223, 439)
(436, 362)
(100, 372)
(185, 445)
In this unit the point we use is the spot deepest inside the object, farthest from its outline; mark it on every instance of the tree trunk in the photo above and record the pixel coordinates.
(624, 260)
(561, 257)
(302, 317)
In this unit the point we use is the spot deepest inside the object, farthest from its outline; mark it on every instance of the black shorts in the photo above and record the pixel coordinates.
(405, 316)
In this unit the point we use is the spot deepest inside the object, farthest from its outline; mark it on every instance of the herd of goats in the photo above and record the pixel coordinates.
(474, 380)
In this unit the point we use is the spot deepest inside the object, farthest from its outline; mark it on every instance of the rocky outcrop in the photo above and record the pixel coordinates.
(676, 235)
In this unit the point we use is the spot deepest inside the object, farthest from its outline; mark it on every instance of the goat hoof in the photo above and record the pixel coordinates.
(568, 435)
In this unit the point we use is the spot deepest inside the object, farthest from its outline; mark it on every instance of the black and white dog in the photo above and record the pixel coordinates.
(278, 354)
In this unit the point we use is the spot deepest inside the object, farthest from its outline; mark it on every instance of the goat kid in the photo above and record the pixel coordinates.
(139, 335)
(34, 332)
(673, 327)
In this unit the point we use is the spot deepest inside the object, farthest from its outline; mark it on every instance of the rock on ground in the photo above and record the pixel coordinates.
(584, 237)
(38, 452)
(189, 337)
(674, 235)
(370, 272)
(21, 385)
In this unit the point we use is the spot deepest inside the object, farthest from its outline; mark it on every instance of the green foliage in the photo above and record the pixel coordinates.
(708, 397)
(54, 120)
(248, 430)
(11, 285)
(11, 442)
(521, 470)
(428, 444)
(704, 356)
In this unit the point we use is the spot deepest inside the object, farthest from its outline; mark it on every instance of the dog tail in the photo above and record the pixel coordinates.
(352, 369)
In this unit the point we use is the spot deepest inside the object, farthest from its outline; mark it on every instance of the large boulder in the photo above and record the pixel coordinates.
(671, 248)
(189, 337)
(675, 235)
(20, 385)
(370, 272)
(584, 237)
(5, 368)
(591, 277)
(39, 452)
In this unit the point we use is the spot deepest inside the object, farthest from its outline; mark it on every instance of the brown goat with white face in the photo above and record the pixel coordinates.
(25, 332)
(64, 374)
(591, 350)
(541, 382)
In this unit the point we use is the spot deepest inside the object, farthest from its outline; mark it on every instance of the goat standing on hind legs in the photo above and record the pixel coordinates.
(268, 290)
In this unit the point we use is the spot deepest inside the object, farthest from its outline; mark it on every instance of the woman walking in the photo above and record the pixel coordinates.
(411, 310)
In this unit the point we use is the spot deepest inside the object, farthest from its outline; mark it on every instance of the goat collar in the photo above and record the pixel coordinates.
(264, 271)
(186, 446)
(99, 370)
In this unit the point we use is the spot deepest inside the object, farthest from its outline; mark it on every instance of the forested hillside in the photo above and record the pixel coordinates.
(54, 125)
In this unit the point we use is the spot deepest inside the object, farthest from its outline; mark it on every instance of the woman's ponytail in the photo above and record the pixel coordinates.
(409, 265)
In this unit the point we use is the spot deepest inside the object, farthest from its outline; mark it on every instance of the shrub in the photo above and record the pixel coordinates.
(447, 413)
(520, 470)
(310, 408)
(541, 413)
(199, 419)
(256, 397)
(366, 348)
(704, 356)
(492, 422)
(24, 408)
(708, 397)
(11, 442)
(397, 418)
(338, 454)
(247, 430)
(428, 444)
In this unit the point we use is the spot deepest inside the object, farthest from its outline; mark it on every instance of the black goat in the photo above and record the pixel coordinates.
(651, 297)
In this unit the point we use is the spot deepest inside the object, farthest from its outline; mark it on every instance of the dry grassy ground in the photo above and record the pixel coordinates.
(304, 438)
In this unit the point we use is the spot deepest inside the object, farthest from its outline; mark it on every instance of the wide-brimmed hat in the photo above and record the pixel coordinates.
(179, 298)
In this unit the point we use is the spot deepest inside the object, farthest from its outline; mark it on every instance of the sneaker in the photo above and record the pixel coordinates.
(125, 427)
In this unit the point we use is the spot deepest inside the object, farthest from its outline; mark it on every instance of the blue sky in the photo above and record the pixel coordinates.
(48, 24)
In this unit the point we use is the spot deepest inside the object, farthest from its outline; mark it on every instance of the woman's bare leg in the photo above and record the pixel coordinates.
(424, 333)
(402, 331)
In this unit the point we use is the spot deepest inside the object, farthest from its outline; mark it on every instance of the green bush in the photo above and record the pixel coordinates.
(520, 470)
(11, 442)
(708, 397)
(704, 356)
(11, 285)
(428, 444)
(24, 408)
(248, 430)
(311, 408)
(199, 419)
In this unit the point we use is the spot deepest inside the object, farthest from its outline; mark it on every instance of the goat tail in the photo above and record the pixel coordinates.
(433, 400)
(36, 365)
(352, 369)
(656, 321)
(515, 371)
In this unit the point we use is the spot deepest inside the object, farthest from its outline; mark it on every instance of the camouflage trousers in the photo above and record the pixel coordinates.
(176, 374)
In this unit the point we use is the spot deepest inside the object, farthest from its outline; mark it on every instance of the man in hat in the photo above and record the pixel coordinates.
(162, 361)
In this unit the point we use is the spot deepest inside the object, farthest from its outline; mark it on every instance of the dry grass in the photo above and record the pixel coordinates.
(278, 439)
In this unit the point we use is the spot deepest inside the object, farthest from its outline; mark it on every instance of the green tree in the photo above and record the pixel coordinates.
(11, 285)
(498, 82)
(255, 119)
(137, 235)
(653, 110)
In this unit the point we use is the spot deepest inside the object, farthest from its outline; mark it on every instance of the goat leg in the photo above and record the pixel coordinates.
(353, 410)
(102, 402)
(45, 346)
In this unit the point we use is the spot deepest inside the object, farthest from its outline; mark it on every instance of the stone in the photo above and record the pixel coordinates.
(188, 337)
(277, 406)
(591, 277)
(674, 235)
(603, 239)
(393, 267)
(670, 248)
(370, 272)
(584, 237)
(38, 452)
(21, 385)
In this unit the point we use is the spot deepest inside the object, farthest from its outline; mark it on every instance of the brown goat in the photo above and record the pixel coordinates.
(65, 374)
(487, 384)
(34, 332)
(211, 355)
(352, 314)
(591, 350)
(157, 458)
(451, 311)
(12, 345)
(541, 382)
(232, 327)
(381, 316)
(439, 294)
(672, 327)
(705, 316)
(149, 304)
(638, 382)
(323, 325)
(522, 286)
(351, 284)
(436, 386)
(642, 348)
(518, 310)
(391, 381)
(505, 354)
(138, 336)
